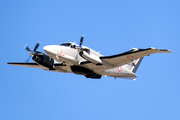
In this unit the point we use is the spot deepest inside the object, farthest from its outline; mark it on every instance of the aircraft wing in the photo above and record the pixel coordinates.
(124, 58)
(58, 67)
(129, 56)
(34, 65)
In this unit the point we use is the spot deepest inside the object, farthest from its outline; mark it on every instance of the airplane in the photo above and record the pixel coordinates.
(72, 58)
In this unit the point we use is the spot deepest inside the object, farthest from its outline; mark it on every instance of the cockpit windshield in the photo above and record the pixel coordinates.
(66, 44)
(69, 45)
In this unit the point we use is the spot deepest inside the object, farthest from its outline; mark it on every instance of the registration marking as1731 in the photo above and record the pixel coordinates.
(60, 54)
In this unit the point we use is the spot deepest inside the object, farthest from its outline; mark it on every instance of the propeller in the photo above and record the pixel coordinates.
(35, 48)
(80, 47)
(28, 59)
(34, 52)
(81, 40)
(27, 48)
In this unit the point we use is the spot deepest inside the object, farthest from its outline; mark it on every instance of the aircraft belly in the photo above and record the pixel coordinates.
(63, 69)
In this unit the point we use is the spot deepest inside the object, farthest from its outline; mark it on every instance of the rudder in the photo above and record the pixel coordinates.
(133, 66)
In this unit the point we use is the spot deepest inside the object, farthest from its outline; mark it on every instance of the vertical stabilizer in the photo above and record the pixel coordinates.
(133, 66)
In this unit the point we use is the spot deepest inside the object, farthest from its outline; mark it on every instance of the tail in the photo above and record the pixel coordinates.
(133, 66)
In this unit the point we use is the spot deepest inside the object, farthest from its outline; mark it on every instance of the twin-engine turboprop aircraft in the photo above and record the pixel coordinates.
(72, 58)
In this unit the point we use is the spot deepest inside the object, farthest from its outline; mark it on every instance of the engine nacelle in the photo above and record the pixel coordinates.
(91, 57)
(84, 71)
(44, 60)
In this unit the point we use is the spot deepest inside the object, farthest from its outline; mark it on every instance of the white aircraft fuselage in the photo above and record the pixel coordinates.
(70, 55)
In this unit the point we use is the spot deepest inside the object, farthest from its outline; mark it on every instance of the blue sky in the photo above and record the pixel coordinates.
(111, 27)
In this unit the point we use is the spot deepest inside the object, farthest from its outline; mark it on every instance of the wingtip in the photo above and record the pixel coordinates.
(166, 51)
(10, 63)
(162, 50)
(170, 51)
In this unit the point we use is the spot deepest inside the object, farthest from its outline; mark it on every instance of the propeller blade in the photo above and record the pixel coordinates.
(27, 48)
(28, 59)
(81, 41)
(37, 45)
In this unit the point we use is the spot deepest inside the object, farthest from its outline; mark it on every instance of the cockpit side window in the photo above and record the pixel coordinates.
(73, 46)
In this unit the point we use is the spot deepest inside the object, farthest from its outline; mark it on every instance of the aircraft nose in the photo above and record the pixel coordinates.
(47, 48)
(50, 49)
